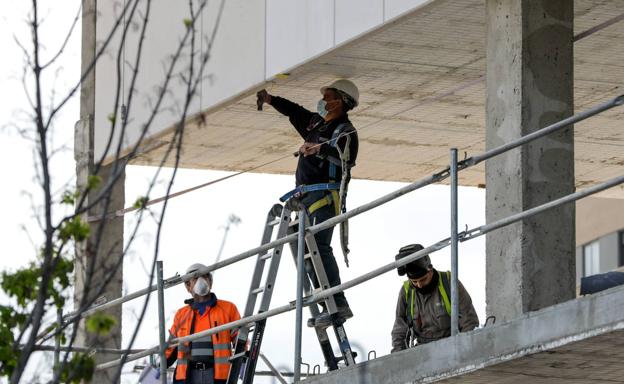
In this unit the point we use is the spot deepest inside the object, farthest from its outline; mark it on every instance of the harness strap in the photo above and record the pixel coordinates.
(310, 188)
(442, 287)
(320, 203)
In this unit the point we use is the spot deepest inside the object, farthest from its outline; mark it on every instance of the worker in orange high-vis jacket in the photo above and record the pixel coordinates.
(206, 360)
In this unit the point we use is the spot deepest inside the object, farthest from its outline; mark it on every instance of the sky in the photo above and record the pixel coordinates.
(194, 225)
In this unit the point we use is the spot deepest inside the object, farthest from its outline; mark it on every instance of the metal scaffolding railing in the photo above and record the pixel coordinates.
(456, 237)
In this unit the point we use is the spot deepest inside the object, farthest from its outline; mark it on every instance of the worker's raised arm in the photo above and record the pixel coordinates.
(299, 117)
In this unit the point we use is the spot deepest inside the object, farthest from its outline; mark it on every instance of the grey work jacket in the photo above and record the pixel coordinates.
(431, 321)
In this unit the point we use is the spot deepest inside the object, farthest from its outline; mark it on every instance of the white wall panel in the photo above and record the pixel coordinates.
(356, 16)
(394, 8)
(237, 59)
(296, 31)
(255, 40)
(236, 62)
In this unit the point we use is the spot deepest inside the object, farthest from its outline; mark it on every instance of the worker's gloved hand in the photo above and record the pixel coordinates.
(263, 97)
(308, 148)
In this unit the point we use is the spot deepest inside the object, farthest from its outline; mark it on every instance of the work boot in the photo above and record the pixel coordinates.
(324, 319)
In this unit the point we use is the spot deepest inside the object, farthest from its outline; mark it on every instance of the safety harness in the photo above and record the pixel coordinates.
(338, 190)
(410, 293)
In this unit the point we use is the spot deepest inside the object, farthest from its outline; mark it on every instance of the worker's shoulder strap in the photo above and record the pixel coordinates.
(409, 301)
(340, 128)
(444, 286)
(192, 320)
(344, 154)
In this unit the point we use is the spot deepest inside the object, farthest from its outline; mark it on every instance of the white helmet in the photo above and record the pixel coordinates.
(347, 87)
(196, 267)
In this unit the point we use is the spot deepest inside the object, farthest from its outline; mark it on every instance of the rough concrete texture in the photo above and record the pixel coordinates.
(499, 350)
(530, 264)
(98, 266)
(597, 360)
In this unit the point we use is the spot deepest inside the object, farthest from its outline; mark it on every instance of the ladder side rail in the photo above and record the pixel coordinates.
(319, 269)
(321, 333)
(345, 346)
(260, 261)
(240, 355)
(267, 294)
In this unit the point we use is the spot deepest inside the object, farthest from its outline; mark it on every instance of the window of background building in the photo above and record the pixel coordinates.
(591, 258)
(621, 249)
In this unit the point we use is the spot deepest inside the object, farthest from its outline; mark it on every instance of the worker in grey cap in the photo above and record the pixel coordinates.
(205, 360)
(423, 310)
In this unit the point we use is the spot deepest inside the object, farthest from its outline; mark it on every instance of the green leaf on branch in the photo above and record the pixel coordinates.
(74, 229)
(63, 271)
(93, 181)
(70, 197)
(22, 284)
(100, 323)
(112, 117)
(79, 368)
(8, 357)
(10, 318)
(141, 202)
(188, 23)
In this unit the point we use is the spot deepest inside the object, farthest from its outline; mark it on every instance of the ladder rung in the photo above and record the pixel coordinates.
(267, 256)
(293, 223)
(274, 222)
(257, 290)
(308, 255)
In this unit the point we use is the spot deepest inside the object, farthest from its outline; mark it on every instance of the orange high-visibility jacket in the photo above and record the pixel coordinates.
(222, 312)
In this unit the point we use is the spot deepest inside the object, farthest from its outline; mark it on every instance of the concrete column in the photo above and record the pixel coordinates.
(531, 264)
(98, 263)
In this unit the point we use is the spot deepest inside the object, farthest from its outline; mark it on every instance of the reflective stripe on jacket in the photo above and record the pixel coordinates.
(443, 288)
(216, 348)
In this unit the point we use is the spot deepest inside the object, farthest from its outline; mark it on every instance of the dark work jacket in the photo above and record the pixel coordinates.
(313, 129)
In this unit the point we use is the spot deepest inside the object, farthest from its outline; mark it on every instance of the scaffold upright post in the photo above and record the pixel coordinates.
(299, 303)
(454, 241)
(161, 322)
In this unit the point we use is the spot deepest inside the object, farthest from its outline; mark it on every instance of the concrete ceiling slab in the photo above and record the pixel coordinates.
(421, 80)
(596, 360)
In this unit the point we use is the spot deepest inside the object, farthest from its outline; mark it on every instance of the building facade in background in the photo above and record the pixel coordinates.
(599, 236)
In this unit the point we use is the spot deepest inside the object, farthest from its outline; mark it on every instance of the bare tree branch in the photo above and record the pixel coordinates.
(67, 37)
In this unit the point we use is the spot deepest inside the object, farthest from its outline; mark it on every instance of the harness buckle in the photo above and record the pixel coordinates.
(200, 365)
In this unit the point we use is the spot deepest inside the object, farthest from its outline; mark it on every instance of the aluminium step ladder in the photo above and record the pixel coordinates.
(279, 217)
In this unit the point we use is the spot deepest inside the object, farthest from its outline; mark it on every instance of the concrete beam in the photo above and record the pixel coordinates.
(530, 264)
(568, 322)
(98, 262)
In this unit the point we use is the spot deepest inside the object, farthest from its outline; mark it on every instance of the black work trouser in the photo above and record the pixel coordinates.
(323, 241)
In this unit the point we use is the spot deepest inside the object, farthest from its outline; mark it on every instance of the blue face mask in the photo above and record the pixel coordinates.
(321, 108)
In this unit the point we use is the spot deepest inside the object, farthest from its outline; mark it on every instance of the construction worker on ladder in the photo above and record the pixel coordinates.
(423, 310)
(328, 153)
(203, 361)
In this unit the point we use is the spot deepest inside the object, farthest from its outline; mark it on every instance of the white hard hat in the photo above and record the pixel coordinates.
(347, 87)
(193, 268)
